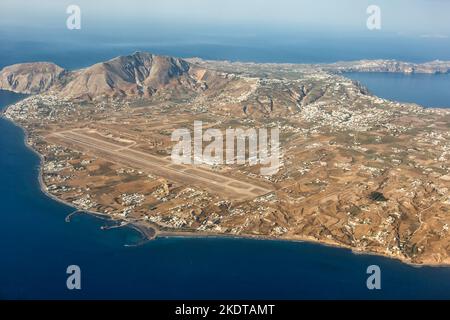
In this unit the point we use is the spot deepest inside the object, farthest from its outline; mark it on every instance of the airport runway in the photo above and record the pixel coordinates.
(226, 187)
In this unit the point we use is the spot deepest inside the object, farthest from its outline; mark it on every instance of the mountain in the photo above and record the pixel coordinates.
(146, 75)
(31, 78)
(164, 79)
(139, 74)
(204, 85)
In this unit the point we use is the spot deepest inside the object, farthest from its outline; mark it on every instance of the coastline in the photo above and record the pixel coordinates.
(150, 231)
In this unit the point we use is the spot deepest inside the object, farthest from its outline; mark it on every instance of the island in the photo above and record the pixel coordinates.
(356, 170)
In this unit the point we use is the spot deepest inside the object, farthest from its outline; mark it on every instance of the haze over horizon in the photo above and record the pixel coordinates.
(402, 16)
(252, 30)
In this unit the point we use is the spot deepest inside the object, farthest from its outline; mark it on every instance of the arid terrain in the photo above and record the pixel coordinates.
(356, 170)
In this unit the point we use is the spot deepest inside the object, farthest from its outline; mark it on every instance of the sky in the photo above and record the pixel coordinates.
(419, 17)
(247, 30)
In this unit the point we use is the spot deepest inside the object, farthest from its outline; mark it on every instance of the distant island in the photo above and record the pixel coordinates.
(357, 171)
(391, 66)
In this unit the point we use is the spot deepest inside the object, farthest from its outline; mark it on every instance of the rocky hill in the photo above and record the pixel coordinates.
(139, 74)
(145, 75)
(31, 78)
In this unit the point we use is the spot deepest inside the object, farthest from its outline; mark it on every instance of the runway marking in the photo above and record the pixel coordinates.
(226, 187)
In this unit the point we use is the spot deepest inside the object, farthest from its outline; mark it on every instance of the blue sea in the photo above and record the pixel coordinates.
(428, 90)
(37, 245)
